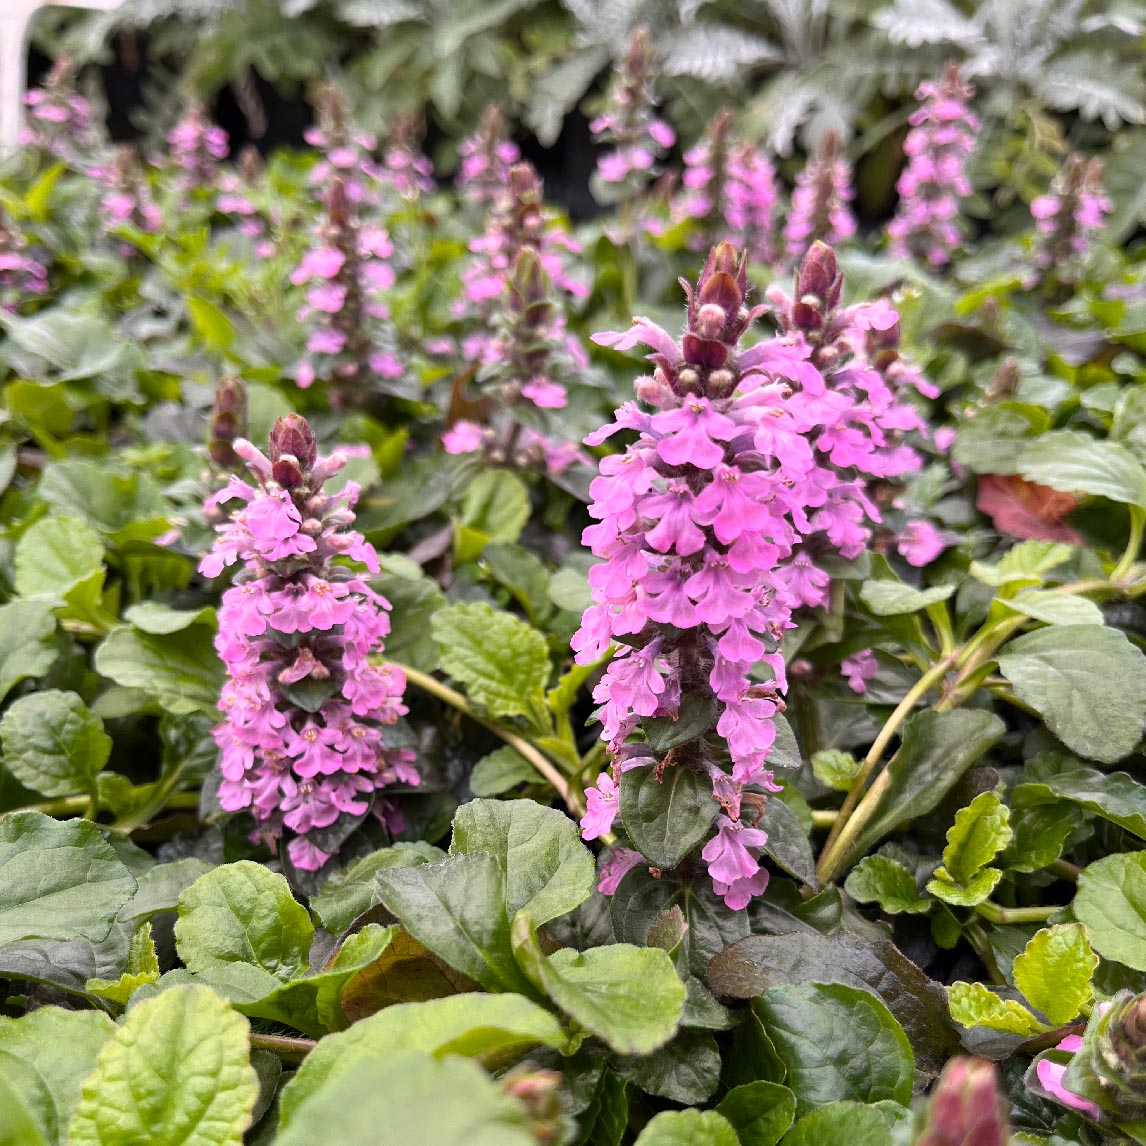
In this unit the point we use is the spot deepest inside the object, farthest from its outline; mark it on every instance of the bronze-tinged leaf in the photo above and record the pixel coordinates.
(1026, 510)
(406, 972)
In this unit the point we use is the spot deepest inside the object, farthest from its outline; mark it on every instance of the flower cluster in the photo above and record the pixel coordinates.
(22, 273)
(517, 223)
(942, 136)
(1071, 214)
(753, 461)
(59, 119)
(344, 274)
(302, 741)
(405, 169)
(530, 354)
(636, 138)
(197, 145)
(128, 199)
(486, 158)
(730, 189)
(345, 151)
(863, 414)
(820, 200)
(236, 200)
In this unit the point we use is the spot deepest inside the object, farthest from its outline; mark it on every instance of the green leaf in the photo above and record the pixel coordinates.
(685, 1070)
(471, 1025)
(348, 893)
(496, 504)
(456, 907)
(125, 507)
(838, 1043)
(878, 879)
(629, 997)
(417, 1099)
(788, 843)
(53, 744)
(1025, 562)
(1087, 682)
(58, 880)
(55, 555)
(415, 600)
(688, 1128)
(21, 1125)
(1111, 903)
(695, 717)
(1115, 796)
(835, 769)
(142, 968)
(1054, 607)
(1076, 462)
(1054, 972)
(524, 575)
(47, 1054)
(176, 1071)
(975, 891)
(161, 886)
(312, 1003)
(77, 345)
(937, 748)
(981, 830)
(666, 817)
(548, 870)
(181, 670)
(27, 642)
(1039, 834)
(243, 913)
(503, 663)
(840, 1124)
(759, 1112)
(992, 442)
(892, 599)
(161, 620)
(504, 768)
(976, 1005)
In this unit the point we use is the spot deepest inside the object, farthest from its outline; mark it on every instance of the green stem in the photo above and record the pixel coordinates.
(1133, 546)
(978, 938)
(993, 913)
(80, 805)
(455, 700)
(1064, 869)
(287, 1048)
(159, 799)
(824, 819)
(833, 850)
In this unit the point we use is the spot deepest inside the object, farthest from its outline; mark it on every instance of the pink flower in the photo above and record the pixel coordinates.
(920, 543)
(548, 395)
(601, 808)
(1050, 1076)
(620, 862)
(463, 438)
(859, 669)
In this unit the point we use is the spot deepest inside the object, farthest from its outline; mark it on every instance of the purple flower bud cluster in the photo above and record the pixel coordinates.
(345, 273)
(1068, 218)
(23, 274)
(753, 459)
(860, 403)
(942, 137)
(820, 200)
(529, 356)
(629, 125)
(486, 157)
(517, 222)
(197, 146)
(59, 119)
(346, 152)
(730, 190)
(128, 199)
(406, 170)
(228, 423)
(302, 741)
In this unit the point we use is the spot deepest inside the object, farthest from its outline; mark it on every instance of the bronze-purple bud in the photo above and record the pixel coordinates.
(293, 437)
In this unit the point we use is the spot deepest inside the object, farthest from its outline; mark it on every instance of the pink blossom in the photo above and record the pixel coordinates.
(920, 543)
(601, 807)
(620, 862)
(1050, 1076)
(859, 669)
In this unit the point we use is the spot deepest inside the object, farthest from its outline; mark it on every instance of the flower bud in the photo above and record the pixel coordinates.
(228, 421)
(966, 1108)
(293, 436)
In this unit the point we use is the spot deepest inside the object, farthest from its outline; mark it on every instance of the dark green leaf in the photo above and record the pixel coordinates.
(759, 1112)
(1111, 902)
(53, 744)
(666, 817)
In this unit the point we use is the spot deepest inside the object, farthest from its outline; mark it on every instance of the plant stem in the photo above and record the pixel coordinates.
(979, 939)
(455, 700)
(829, 857)
(287, 1048)
(1065, 870)
(824, 819)
(1130, 554)
(158, 800)
(993, 913)
(80, 805)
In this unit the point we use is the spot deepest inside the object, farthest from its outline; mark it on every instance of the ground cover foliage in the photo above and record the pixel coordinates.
(426, 718)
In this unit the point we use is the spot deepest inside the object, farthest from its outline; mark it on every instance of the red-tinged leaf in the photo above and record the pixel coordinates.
(1025, 510)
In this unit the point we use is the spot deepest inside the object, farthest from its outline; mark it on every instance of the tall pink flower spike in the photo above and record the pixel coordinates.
(302, 741)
